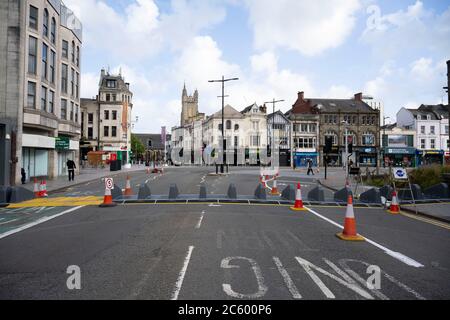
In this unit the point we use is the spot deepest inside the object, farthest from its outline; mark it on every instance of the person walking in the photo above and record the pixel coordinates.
(71, 168)
(310, 167)
(24, 175)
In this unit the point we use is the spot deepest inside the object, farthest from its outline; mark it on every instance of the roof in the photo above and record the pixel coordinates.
(278, 112)
(417, 112)
(154, 137)
(228, 111)
(439, 110)
(345, 105)
(249, 108)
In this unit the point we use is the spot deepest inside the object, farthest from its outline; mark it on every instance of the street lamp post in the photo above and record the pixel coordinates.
(273, 127)
(223, 80)
(384, 134)
(346, 149)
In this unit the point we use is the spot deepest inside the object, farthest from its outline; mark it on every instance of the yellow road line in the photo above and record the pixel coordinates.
(59, 202)
(426, 220)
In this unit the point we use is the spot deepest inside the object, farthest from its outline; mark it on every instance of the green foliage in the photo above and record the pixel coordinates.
(428, 176)
(136, 146)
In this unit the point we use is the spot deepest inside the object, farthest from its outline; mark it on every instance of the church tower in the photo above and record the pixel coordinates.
(189, 107)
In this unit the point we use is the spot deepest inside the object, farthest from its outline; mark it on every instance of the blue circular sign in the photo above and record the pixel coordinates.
(400, 173)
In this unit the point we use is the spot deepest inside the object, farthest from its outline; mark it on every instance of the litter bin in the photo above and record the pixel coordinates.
(113, 165)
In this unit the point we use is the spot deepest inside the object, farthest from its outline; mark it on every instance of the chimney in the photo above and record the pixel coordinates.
(358, 96)
(102, 73)
(301, 95)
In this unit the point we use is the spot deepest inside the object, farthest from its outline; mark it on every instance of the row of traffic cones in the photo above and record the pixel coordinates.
(40, 189)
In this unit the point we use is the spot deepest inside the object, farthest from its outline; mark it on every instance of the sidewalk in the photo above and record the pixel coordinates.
(85, 175)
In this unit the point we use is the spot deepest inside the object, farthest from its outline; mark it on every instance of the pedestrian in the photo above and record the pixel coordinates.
(71, 168)
(24, 176)
(310, 167)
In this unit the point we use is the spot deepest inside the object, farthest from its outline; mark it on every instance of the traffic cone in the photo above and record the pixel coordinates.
(43, 189)
(394, 208)
(148, 170)
(128, 190)
(36, 189)
(298, 205)
(274, 190)
(107, 199)
(349, 232)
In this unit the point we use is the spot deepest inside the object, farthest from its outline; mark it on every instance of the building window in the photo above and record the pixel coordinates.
(431, 129)
(73, 51)
(236, 127)
(113, 131)
(78, 56)
(114, 96)
(51, 101)
(422, 129)
(44, 61)
(65, 49)
(422, 143)
(114, 115)
(45, 23)
(110, 83)
(64, 78)
(236, 139)
(31, 96)
(76, 113)
(368, 139)
(53, 31)
(108, 97)
(106, 131)
(33, 23)
(446, 129)
(228, 125)
(44, 98)
(220, 127)
(90, 133)
(149, 144)
(63, 109)
(106, 114)
(255, 140)
(333, 135)
(432, 143)
(255, 125)
(90, 118)
(32, 55)
(77, 86)
(71, 110)
(72, 83)
(52, 66)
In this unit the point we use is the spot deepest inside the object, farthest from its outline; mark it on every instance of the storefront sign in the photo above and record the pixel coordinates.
(400, 150)
(62, 143)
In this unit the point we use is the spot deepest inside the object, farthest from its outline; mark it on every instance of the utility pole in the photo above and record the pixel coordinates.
(387, 139)
(448, 102)
(273, 128)
(224, 147)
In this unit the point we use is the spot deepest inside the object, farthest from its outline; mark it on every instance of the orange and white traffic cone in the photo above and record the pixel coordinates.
(128, 190)
(43, 189)
(394, 208)
(36, 189)
(298, 205)
(108, 199)
(349, 232)
(274, 190)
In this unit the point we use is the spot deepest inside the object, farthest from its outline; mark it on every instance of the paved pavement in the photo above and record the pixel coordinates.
(211, 251)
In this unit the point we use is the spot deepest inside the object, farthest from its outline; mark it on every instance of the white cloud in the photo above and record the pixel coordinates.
(309, 27)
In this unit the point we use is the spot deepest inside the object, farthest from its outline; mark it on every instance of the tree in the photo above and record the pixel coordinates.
(137, 147)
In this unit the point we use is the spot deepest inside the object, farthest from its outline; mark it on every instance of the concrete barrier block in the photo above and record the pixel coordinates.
(316, 194)
(260, 192)
(371, 196)
(342, 195)
(173, 191)
(144, 192)
(5, 194)
(386, 191)
(288, 193)
(438, 191)
(116, 192)
(232, 192)
(19, 194)
(203, 193)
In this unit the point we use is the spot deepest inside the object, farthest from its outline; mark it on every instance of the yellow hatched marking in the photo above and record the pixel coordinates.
(59, 202)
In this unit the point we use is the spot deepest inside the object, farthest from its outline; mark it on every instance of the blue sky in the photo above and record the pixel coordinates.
(392, 50)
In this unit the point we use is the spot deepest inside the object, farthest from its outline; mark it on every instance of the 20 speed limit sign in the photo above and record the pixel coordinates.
(109, 183)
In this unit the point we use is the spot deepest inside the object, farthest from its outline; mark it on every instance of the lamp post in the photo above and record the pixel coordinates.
(273, 128)
(384, 135)
(223, 80)
(346, 148)
(448, 102)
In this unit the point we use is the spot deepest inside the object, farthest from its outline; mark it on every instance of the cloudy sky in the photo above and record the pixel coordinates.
(392, 50)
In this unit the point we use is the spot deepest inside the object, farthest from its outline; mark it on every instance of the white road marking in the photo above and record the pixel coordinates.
(287, 279)
(327, 292)
(214, 205)
(200, 221)
(9, 221)
(182, 274)
(39, 221)
(2, 219)
(146, 180)
(262, 289)
(397, 255)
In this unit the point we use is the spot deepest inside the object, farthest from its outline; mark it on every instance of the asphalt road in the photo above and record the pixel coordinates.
(228, 251)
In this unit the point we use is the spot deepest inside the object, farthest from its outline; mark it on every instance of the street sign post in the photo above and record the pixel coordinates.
(400, 173)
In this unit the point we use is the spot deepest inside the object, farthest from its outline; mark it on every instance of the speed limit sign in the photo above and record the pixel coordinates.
(109, 183)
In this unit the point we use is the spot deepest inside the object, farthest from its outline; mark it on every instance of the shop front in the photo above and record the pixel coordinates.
(301, 158)
(427, 157)
(67, 150)
(366, 156)
(35, 155)
(399, 157)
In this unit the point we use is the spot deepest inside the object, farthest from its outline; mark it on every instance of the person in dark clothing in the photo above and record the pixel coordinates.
(71, 167)
(24, 176)
(310, 169)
